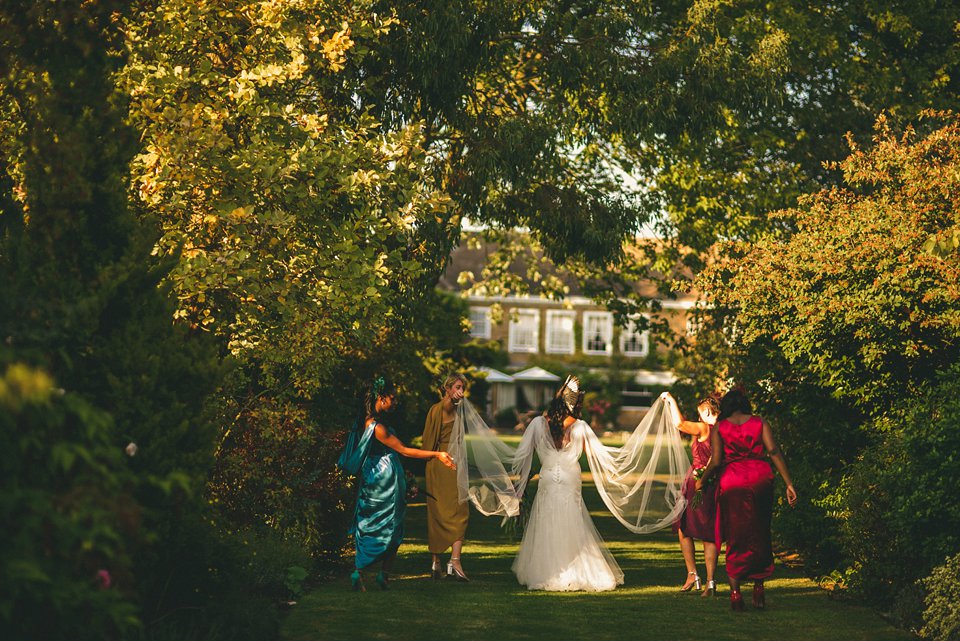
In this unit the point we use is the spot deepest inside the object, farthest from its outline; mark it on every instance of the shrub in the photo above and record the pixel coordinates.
(941, 617)
(68, 520)
(276, 468)
(900, 517)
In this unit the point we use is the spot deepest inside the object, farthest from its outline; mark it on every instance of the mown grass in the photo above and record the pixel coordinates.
(492, 606)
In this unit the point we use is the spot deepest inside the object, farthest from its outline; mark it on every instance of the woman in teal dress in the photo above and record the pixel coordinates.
(372, 453)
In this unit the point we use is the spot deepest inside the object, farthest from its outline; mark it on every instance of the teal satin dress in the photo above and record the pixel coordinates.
(382, 499)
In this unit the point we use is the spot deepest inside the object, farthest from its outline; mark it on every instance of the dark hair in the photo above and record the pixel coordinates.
(712, 401)
(380, 386)
(734, 401)
(556, 412)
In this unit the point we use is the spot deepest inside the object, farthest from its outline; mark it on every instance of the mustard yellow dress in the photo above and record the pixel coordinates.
(446, 516)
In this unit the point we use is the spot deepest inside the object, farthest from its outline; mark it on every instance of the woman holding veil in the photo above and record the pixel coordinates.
(640, 483)
(447, 516)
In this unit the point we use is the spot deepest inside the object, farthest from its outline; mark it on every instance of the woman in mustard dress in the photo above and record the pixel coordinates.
(447, 516)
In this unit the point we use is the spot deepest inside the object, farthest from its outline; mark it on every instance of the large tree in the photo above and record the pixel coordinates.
(854, 298)
(93, 365)
(847, 334)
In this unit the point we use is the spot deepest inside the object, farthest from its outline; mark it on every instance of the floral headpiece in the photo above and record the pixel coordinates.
(378, 385)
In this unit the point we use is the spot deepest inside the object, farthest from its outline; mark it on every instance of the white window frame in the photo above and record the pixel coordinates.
(515, 316)
(629, 330)
(485, 327)
(607, 319)
(552, 316)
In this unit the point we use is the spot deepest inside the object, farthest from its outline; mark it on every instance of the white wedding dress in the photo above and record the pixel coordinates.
(561, 549)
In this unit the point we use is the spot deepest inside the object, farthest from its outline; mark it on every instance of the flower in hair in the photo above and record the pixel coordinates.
(378, 385)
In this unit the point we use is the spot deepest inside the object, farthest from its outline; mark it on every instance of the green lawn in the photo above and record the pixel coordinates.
(494, 607)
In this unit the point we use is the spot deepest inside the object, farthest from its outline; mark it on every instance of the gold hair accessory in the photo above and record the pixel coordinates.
(570, 392)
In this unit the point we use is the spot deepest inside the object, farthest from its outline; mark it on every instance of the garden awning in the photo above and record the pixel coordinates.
(495, 375)
(535, 375)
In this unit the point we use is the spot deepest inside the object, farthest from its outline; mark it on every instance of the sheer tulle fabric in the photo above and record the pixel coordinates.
(640, 483)
(482, 462)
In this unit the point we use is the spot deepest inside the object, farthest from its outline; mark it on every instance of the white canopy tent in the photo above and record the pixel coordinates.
(501, 393)
(535, 387)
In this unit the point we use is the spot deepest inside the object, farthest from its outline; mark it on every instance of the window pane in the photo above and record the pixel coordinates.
(560, 332)
(524, 331)
(634, 342)
(598, 328)
(480, 322)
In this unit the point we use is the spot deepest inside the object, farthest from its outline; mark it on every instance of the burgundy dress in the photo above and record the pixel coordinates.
(745, 500)
(699, 522)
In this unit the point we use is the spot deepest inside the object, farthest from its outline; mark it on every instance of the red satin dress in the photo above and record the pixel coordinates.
(745, 501)
(700, 522)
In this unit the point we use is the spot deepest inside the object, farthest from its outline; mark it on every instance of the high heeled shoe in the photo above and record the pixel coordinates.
(455, 572)
(710, 590)
(736, 601)
(686, 587)
(436, 571)
(759, 601)
(356, 582)
(382, 580)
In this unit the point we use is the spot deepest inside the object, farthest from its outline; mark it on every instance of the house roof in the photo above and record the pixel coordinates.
(472, 258)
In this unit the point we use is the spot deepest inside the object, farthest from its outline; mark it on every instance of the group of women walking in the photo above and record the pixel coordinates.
(731, 443)
(727, 495)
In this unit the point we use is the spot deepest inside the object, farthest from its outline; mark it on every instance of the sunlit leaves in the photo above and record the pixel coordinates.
(294, 216)
(855, 297)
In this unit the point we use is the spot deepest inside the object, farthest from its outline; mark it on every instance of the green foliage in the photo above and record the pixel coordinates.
(103, 491)
(899, 514)
(296, 219)
(852, 298)
(224, 585)
(838, 326)
(275, 468)
(942, 614)
(70, 519)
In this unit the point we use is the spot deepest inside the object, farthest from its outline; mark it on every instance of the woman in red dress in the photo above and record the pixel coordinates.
(698, 522)
(745, 494)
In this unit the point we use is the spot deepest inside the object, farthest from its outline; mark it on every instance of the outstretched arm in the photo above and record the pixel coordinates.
(391, 441)
(687, 427)
(779, 462)
(692, 427)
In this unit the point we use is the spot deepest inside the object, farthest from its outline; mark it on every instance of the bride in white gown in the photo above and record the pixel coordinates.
(561, 549)
(640, 483)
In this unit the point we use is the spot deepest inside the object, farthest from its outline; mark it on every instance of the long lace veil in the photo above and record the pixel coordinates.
(640, 483)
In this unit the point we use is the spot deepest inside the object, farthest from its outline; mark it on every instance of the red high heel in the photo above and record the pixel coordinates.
(758, 601)
(736, 601)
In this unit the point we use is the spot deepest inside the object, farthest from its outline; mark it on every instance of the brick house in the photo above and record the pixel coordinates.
(572, 335)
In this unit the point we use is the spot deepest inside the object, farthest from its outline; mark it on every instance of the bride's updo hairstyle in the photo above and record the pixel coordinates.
(734, 401)
(568, 401)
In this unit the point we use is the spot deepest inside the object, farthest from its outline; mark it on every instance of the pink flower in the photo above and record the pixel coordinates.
(103, 579)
